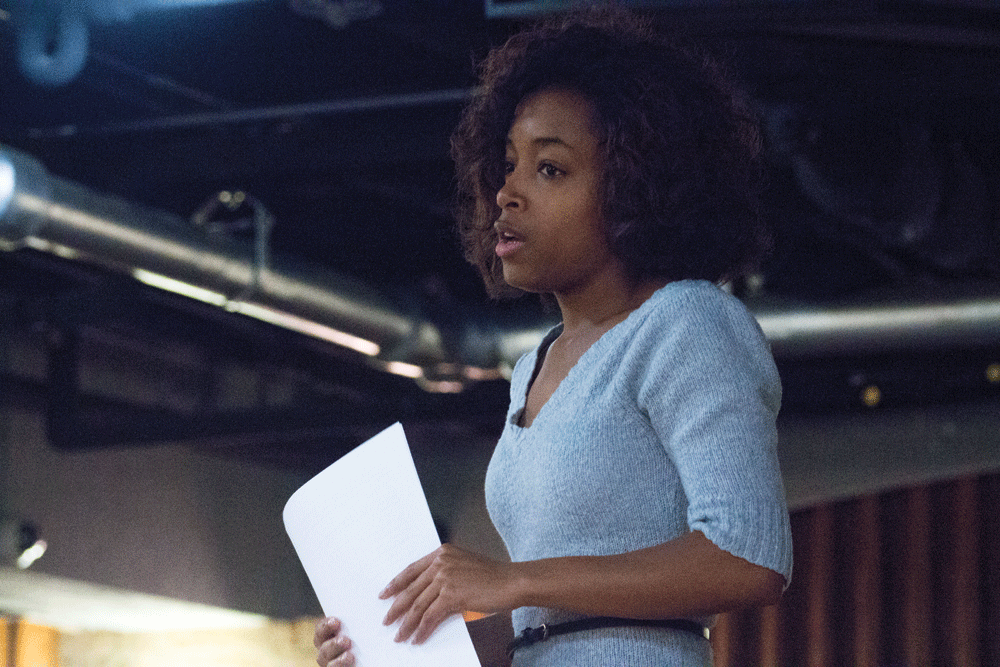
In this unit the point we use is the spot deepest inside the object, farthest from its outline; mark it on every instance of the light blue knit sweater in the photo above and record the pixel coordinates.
(667, 423)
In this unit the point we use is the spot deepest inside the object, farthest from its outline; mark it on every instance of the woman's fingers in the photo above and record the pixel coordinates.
(339, 656)
(332, 648)
(435, 614)
(415, 611)
(326, 628)
(402, 580)
(403, 604)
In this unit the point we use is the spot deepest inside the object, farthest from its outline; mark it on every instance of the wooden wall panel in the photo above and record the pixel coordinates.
(962, 578)
(818, 572)
(989, 509)
(865, 593)
(916, 583)
(908, 578)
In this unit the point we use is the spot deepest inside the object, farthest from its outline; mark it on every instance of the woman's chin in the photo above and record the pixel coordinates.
(524, 285)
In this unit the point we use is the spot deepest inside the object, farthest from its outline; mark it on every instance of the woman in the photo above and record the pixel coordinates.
(636, 483)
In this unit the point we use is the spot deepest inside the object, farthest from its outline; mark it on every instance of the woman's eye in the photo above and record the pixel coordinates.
(508, 167)
(549, 170)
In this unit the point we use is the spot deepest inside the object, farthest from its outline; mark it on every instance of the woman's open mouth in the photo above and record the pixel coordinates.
(507, 245)
(508, 240)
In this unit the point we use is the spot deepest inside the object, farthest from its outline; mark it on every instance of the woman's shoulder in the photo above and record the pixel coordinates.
(696, 332)
(694, 304)
(692, 294)
(695, 317)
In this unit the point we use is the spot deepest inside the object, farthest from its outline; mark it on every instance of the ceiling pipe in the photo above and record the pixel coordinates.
(43, 212)
(46, 213)
(898, 323)
(264, 114)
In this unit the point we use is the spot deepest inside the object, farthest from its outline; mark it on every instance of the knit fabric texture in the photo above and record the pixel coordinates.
(666, 424)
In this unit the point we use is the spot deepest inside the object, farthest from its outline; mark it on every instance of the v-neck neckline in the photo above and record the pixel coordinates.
(517, 418)
(540, 354)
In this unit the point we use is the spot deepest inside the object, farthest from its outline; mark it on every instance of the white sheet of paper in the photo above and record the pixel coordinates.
(355, 526)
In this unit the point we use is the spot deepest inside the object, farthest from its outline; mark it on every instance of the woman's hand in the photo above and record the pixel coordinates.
(333, 648)
(445, 582)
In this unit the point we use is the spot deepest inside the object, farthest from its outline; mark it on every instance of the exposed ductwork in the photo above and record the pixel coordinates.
(50, 214)
(44, 212)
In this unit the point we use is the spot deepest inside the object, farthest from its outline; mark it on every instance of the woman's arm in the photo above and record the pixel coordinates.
(688, 576)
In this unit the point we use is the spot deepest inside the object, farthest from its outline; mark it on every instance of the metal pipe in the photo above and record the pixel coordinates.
(963, 320)
(54, 215)
(43, 212)
(258, 114)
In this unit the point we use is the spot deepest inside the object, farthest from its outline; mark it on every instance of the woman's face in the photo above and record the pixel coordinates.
(550, 235)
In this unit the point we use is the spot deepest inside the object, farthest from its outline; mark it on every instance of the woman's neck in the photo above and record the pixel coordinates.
(603, 305)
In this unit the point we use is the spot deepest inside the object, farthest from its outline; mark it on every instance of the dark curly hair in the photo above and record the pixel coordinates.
(682, 173)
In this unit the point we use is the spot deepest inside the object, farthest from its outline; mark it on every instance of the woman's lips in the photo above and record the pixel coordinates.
(508, 245)
(508, 240)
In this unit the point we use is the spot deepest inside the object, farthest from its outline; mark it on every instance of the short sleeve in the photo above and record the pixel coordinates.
(712, 392)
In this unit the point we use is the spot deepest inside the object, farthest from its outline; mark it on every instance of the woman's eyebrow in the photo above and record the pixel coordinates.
(541, 142)
(547, 141)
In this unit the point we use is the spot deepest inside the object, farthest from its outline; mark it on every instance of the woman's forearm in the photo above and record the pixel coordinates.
(688, 576)
(685, 577)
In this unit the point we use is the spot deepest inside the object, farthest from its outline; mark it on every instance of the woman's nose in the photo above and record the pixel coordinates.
(508, 195)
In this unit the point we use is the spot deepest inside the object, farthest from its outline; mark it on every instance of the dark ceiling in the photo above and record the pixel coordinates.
(882, 130)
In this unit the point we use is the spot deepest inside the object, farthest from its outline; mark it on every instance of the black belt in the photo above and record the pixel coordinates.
(531, 636)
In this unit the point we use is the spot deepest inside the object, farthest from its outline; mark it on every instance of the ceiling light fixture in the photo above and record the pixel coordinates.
(20, 543)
